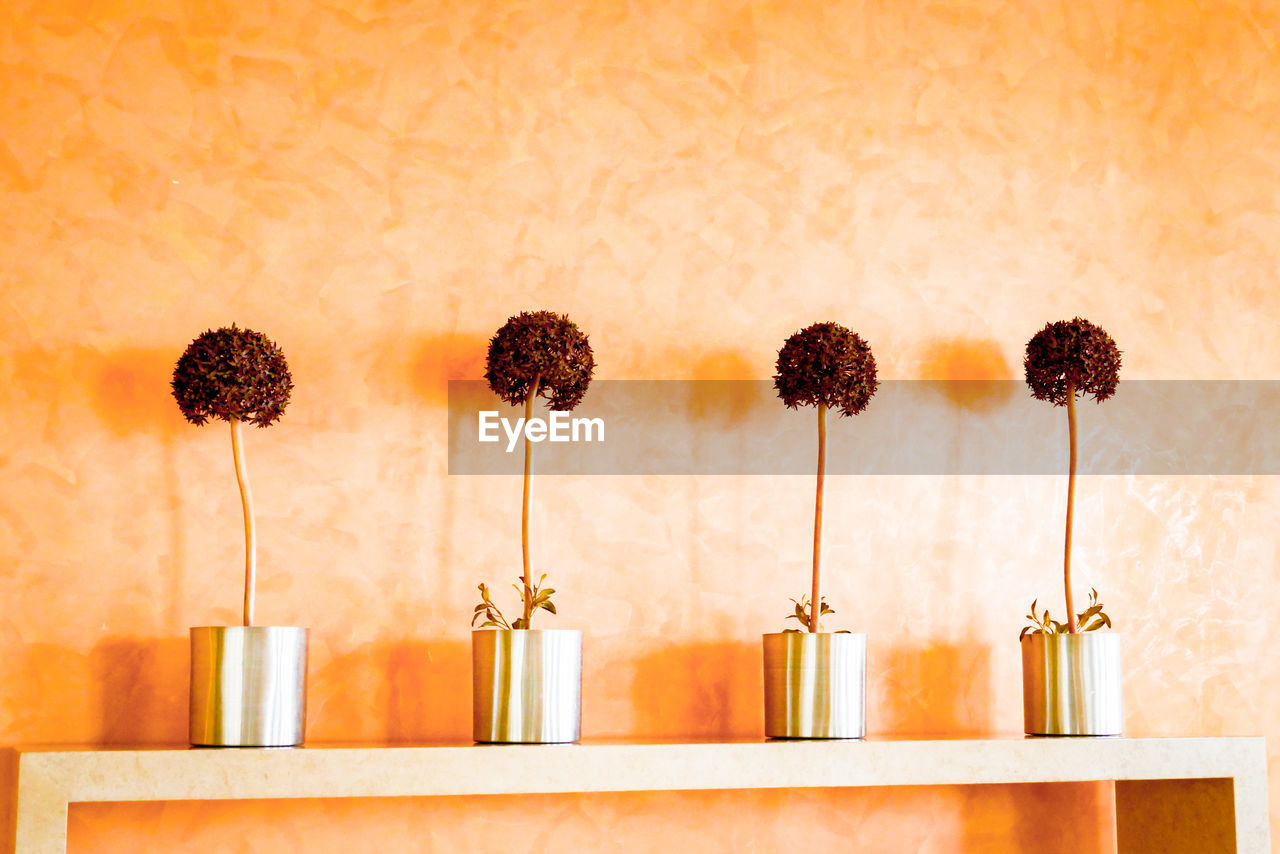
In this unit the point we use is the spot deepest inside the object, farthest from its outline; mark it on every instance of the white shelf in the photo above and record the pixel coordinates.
(1220, 782)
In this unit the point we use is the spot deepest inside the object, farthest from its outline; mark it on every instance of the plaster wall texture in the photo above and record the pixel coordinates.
(378, 185)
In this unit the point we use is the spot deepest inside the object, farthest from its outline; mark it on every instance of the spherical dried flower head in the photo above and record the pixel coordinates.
(1075, 352)
(232, 373)
(543, 345)
(829, 365)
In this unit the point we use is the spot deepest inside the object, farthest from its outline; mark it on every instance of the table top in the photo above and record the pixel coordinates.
(178, 772)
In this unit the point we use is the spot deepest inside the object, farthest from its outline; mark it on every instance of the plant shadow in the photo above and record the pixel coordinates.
(130, 391)
(446, 357)
(972, 372)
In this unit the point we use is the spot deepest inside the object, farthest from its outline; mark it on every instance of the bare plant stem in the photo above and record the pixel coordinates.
(250, 538)
(1071, 498)
(815, 599)
(528, 498)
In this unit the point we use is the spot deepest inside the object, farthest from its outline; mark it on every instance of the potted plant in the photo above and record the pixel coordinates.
(526, 682)
(815, 681)
(1070, 671)
(248, 682)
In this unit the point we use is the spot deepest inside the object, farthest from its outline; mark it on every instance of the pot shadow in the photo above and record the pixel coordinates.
(700, 690)
(428, 691)
(142, 686)
(399, 691)
(938, 690)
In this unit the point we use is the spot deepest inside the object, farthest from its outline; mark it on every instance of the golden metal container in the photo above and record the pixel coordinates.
(248, 686)
(526, 685)
(1071, 684)
(815, 685)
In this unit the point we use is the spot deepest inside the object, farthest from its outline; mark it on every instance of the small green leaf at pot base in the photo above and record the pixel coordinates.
(492, 614)
(1046, 626)
(802, 612)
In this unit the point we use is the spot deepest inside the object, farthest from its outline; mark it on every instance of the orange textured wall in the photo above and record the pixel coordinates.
(378, 185)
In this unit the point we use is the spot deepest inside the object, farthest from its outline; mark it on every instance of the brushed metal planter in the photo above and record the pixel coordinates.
(248, 686)
(526, 685)
(1071, 684)
(815, 685)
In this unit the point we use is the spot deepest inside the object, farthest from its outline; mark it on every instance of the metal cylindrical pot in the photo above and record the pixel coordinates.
(526, 685)
(1071, 684)
(248, 686)
(815, 685)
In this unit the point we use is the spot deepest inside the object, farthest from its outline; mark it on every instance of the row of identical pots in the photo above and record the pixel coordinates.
(527, 685)
(248, 685)
(815, 685)
(249, 689)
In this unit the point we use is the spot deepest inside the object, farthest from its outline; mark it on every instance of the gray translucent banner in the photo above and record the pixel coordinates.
(735, 427)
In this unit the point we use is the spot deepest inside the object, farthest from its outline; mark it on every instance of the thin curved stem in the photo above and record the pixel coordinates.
(250, 537)
(1071, 499)
(528, 499)
(815, 599)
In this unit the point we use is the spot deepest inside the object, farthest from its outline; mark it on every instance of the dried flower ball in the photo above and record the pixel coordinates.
(1074, 352)
(826, 364)
(543, 345)
(232, 373)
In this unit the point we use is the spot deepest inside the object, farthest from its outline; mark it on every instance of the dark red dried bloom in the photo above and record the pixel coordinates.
(826, 364)
(1075, 352)
(232, 373)
(545, 345)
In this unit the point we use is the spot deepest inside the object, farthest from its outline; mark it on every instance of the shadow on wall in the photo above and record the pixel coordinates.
(975, 371)
(127, 389)
(130, 391)
(8, 784)
(701, 690)
(940, 689)
(428, 691)
(447, 357)
(143, 686)
(422, 687)
(722, 397)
